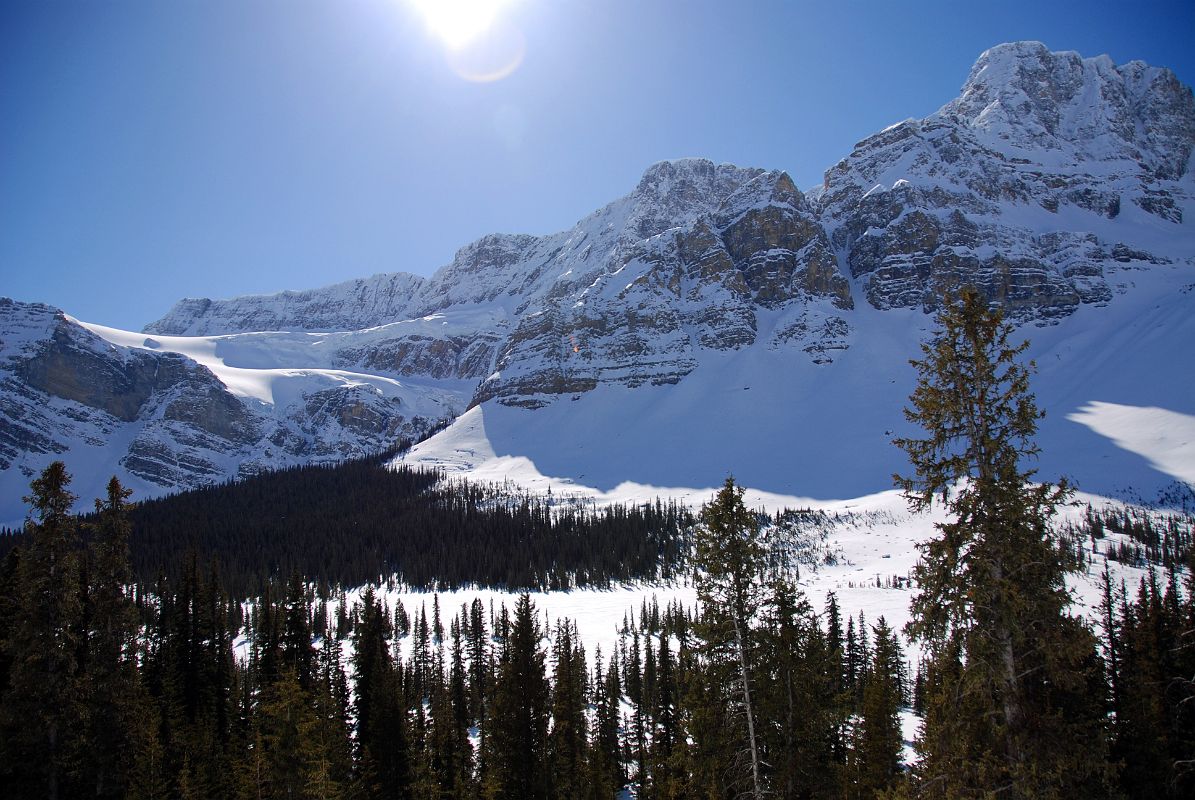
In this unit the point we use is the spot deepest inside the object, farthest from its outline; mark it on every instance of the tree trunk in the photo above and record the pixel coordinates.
(1011, 700)
(742, 648)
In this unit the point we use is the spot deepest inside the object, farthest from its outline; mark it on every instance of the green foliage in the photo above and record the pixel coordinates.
(1011, 699)
(42, 712)
(728, 564)
(878, 742)
(516, 742)
(801, 700)
(1152, 669)
(383, 734)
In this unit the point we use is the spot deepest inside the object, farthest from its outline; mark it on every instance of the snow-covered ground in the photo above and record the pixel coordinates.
(873, 542)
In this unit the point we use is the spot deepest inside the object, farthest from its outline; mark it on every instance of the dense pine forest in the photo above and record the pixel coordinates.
(354, 522)
(146, 660)
(357, 521)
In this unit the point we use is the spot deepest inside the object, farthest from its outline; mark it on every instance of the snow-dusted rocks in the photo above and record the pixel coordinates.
(648, 308)
(354, 304)
(1011, 186)
(168, 413)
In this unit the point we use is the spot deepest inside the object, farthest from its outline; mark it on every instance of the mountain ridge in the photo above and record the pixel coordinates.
(1051, 183)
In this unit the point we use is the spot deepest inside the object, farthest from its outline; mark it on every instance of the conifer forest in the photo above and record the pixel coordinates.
(219, 643)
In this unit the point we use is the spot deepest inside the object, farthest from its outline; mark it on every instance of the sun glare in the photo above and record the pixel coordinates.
(459, 22)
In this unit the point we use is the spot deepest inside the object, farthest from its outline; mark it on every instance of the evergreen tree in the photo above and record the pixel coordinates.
(114, 699)
(801, 698)
(190, 671)
(636, 741)
(605, 763)
(517, 728)
(1154, 719)
(382, 729)
(992, 602)
(479, 659)
(665, 722)
(10, 605)
(878, 742)
(728, 560)
(296, 766)
(296, 651)
(41, 712)
(567, 741)
(332, 711)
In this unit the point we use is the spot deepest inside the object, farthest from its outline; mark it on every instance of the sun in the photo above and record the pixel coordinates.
(458, 23)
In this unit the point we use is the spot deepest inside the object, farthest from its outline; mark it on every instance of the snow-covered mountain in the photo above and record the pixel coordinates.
(716, 319)
(177, 412)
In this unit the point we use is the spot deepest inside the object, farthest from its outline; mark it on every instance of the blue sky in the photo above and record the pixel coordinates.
(155, 149)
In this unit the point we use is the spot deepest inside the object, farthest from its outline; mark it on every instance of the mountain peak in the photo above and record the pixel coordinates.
(1028, 97)
(673, 192)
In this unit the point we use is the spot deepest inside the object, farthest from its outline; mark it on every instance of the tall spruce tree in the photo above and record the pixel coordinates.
(606, 775)
(801, 700)
(567, 741)
(115, 701)
(382, 732)
(1014, 713)
(516, 740)
(878, 738)
(40, 716)
(728, 560)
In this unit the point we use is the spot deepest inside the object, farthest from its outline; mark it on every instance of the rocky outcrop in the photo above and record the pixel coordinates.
(654, 305)
(466, 356)
(977, 192)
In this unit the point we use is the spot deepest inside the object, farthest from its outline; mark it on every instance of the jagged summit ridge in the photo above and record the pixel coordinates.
(1046, 173)
(918, 207)
(670, 194)
(1036, 99)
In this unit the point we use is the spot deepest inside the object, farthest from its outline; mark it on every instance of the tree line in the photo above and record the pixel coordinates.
(358, 521)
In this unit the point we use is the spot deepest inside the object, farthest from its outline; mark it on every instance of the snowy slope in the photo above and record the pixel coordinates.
(1116, 394)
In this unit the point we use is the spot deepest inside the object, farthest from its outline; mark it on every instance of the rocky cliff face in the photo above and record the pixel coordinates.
(1011, 186)
(1044, 183)
(169, 422)
(647, 308)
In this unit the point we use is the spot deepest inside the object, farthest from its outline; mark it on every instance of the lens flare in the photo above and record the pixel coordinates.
(491, 57)
(459, 23)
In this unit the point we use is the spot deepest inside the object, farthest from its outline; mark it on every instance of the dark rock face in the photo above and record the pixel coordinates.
(448, 357)
(779, 246)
